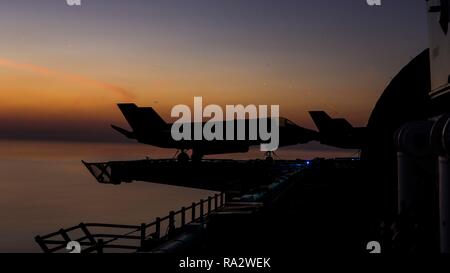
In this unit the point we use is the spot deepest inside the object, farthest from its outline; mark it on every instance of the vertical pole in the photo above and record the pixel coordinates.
(143, 235)
(216, 196)
(193, 212)
(183, 216)
(100, 245)
(444, 206)
(201, 210)
(171, 228)
(158, 228)
(222, 197)
(406, 182)
(209, 204)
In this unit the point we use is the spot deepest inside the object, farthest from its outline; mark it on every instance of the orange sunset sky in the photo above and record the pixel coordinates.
(63, 69)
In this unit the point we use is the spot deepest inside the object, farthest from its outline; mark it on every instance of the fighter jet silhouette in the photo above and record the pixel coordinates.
(150, 128)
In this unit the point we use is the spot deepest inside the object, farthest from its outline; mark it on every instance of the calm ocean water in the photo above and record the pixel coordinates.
(44, 187)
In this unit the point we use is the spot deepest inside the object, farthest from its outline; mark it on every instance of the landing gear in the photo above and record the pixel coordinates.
(269, 157)
(183, 157)
(196, 156)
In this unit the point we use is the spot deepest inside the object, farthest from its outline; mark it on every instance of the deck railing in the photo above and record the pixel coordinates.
(96, 237)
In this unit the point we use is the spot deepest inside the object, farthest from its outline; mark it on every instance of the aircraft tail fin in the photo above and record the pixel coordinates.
(143, 120)
(342, 124)
(326, 124)
(321, 119)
